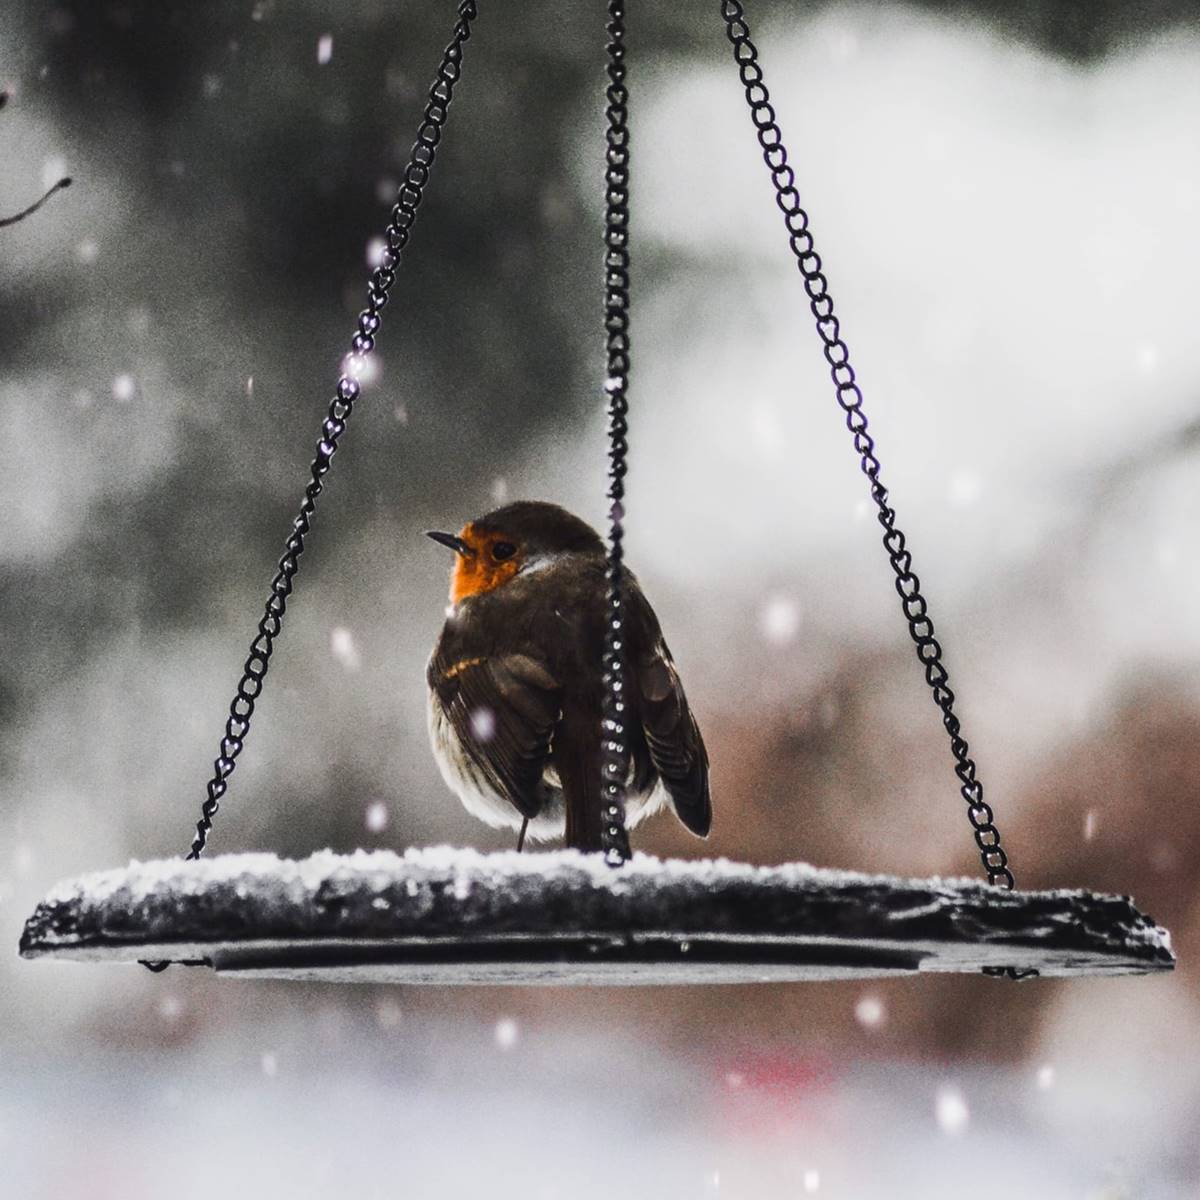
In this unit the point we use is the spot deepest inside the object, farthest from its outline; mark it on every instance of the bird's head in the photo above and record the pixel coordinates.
(513, 540)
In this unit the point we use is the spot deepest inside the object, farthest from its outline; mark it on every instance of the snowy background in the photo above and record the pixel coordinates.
(1005, 196)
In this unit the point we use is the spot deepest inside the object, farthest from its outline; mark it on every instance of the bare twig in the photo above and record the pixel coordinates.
(65, 182)
(28, 212)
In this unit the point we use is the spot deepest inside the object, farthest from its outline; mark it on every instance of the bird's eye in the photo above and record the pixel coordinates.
(503, 550)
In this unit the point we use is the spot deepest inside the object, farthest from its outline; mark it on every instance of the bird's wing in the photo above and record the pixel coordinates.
(672, 735)
(504, 710)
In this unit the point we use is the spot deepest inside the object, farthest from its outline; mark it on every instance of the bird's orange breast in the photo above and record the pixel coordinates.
(478, 572)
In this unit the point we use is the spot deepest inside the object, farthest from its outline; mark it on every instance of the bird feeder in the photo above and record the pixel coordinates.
(457, 916)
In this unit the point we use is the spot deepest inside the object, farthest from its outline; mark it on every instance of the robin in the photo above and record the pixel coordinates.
(515, 685)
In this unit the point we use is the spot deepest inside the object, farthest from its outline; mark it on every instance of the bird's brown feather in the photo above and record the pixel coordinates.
(520, 701)
(672, 736)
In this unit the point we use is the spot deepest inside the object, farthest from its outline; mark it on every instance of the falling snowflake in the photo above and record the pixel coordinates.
(965, 488)
(363, 367)
(483, 724)
(499, 490)
(780, 619)
(270, 1064)
(53, 169)
(400, 412)
(1089, 824)
(1045, 1077)
(169, 1007)
(953, 1115)
(1164, 856)
(376, 249)
(843, 45)
(377, 816)
(396, 82)
(341, 644)
(124, 388)
(324, 48)
(87, 251)
(506, 1033)
(767, 431)
(812, 1179)
(869, 1012)
(386, 189)
(388, 1014)
(250, 387)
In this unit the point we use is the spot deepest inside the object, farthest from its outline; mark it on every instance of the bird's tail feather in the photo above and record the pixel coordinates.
(579, 773)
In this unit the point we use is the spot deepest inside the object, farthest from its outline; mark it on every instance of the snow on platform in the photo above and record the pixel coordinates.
(444, 915)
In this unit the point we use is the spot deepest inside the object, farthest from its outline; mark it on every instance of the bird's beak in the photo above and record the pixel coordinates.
(453, 541)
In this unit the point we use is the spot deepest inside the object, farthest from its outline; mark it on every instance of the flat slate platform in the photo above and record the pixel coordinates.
(443, 915)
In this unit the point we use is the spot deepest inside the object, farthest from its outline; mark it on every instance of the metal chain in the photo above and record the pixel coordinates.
(849, 397)
(614, 839)
(404, 213)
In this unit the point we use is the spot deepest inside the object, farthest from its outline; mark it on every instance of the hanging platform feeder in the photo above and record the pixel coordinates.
(441, 916)
(458, 916)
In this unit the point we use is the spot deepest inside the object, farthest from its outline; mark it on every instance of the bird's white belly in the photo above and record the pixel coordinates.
(466, 779)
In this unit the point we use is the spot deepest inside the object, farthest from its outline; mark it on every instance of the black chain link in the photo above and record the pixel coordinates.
(615, 751)
(849, 397)
(412, 190)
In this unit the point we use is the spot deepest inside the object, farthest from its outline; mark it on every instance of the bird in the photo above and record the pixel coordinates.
(516, 684)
